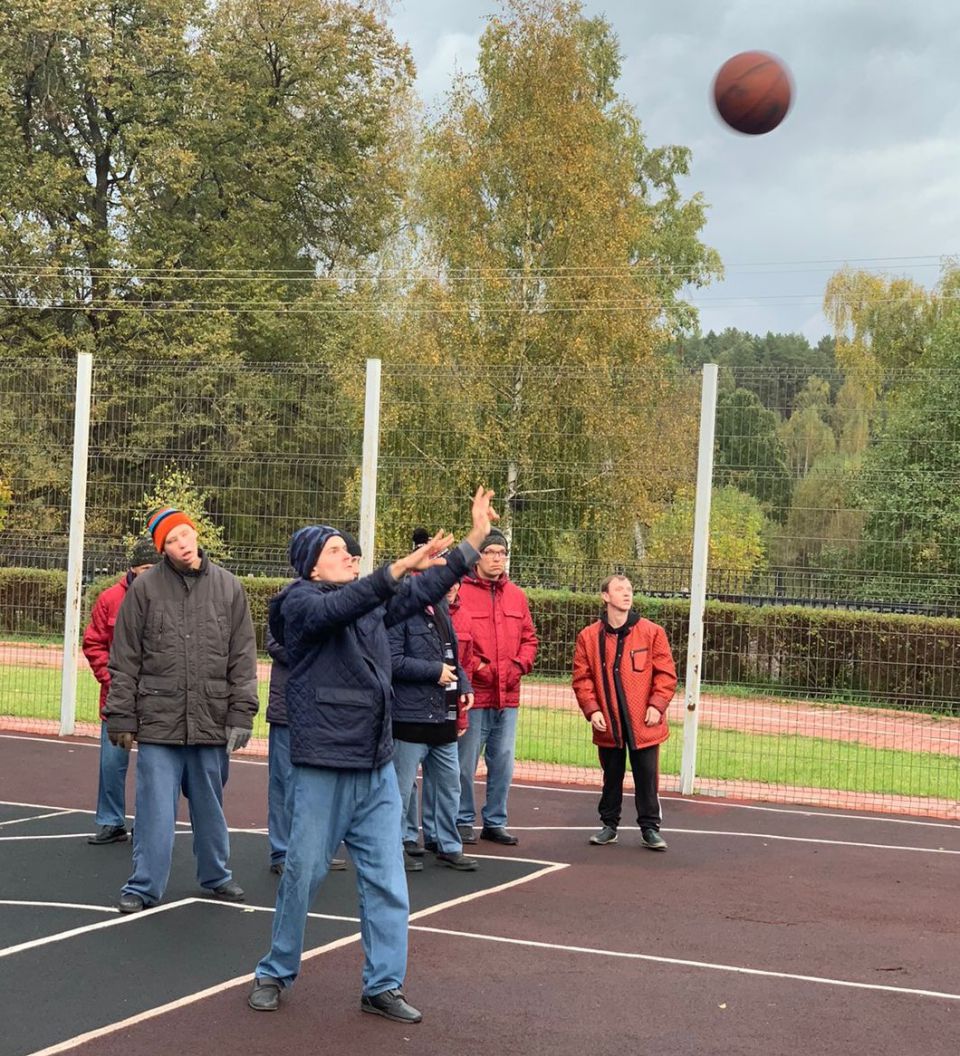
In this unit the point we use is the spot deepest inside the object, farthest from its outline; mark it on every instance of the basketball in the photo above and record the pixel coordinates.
(752, 92)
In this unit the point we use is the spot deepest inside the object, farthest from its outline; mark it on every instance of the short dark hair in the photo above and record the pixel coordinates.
(605, 585)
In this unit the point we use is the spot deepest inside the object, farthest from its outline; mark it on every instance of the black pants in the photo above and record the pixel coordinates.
(644, 764)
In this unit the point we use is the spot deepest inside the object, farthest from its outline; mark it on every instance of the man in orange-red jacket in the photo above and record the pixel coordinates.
(624, 679)
(111, 792)
(505, 647)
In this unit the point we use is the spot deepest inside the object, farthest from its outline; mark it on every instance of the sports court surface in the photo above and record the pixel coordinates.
(763, 930)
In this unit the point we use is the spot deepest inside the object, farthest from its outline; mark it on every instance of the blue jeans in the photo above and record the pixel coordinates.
(279, 791)
(410, 823)
(111, 790)
(441, 783)
(161, 771)
(362, 809)
(493, 731)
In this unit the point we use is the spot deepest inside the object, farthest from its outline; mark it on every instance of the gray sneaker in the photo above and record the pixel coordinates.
(653, 840)
(604, 836)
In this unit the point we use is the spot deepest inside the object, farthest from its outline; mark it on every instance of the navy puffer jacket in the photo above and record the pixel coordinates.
(417, 647)
(339, 688)
(279, 673)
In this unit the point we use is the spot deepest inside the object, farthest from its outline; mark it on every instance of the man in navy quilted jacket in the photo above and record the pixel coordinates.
(334, 629)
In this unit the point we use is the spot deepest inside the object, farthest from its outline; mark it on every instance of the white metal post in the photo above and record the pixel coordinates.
(371, 457)
(698, 577)
(78, 509)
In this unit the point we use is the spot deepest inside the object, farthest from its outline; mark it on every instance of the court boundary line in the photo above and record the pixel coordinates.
(246, 979)
(753, 835)
(38, 817)
(124, 918)
(57, 905)
(686, 963)
(698, 799)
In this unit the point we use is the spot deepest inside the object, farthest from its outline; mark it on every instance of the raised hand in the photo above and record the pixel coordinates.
(483, 516)
(424, 557)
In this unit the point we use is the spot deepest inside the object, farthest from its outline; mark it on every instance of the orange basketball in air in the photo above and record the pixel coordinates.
(752, 92)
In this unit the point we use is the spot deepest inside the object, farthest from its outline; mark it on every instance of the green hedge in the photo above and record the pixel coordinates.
(912, 661)
(32, 601)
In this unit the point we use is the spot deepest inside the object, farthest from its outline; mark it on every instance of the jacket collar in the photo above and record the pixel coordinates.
(497, 584)
(633, 618)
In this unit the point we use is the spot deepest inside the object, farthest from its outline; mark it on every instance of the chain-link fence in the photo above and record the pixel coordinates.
(832, 629)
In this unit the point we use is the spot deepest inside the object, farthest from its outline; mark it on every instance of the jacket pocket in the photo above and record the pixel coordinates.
(639, 659)
(216, 692)
(156, 686)
(339, 696)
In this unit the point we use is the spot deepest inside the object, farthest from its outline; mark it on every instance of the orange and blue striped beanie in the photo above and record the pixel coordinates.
(164, 520)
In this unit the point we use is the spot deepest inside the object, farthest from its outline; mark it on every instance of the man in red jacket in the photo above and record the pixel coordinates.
(624, 679)
(505, 647)
(111, 793)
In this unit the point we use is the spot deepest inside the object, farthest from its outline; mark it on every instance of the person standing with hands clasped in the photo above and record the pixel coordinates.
(183, 683)
(624, 678)
(339, 695)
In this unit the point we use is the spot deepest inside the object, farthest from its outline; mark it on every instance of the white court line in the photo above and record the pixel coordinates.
(754, 835)
(703, 800)
(684, 963)
(58, 905)
(37, 817)
(125, 918)
(246, 979)
(84, 835)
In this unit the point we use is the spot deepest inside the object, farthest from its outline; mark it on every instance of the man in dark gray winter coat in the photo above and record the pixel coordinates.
(183, 683)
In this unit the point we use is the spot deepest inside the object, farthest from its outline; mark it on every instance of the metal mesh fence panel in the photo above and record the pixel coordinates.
(832, 629)
(833, 639)
(36, 443)
(257, 451)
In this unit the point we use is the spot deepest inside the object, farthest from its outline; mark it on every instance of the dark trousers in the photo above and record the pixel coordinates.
(644, 764)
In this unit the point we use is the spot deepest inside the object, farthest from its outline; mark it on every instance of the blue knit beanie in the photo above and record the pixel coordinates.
(306, 544)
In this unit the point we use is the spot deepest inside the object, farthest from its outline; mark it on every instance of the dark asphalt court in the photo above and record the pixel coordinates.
(765, 930)
(139, 962)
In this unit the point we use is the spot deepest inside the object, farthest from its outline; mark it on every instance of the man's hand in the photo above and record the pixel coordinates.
(483, 515)
(598, 722)
(423, 557)
(448, 674)
(466, 699)
(652, 717)
(237, 737)
(121, 740)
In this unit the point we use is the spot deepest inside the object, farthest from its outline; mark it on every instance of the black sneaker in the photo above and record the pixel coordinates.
(412, 865)
(265, 995)
(109, 834)
(468, 834)
(604, 836)
(498, 834)
(653, 840)
(413, 848)
(338, 865)
(130, 903)
(457, 860)
(432, 846)
(391, 1004)
(231, 891)
(278, 867)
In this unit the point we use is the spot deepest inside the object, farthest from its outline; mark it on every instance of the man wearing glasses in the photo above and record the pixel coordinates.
(505, 645)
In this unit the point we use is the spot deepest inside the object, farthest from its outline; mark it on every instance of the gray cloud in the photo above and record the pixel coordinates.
(863, 167)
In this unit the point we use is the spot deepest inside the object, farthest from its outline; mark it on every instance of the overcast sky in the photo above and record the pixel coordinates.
(865, 168)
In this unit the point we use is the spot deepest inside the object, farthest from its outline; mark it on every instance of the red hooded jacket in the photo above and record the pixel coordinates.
(99, 634)
(504, 639)
(463, 628)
